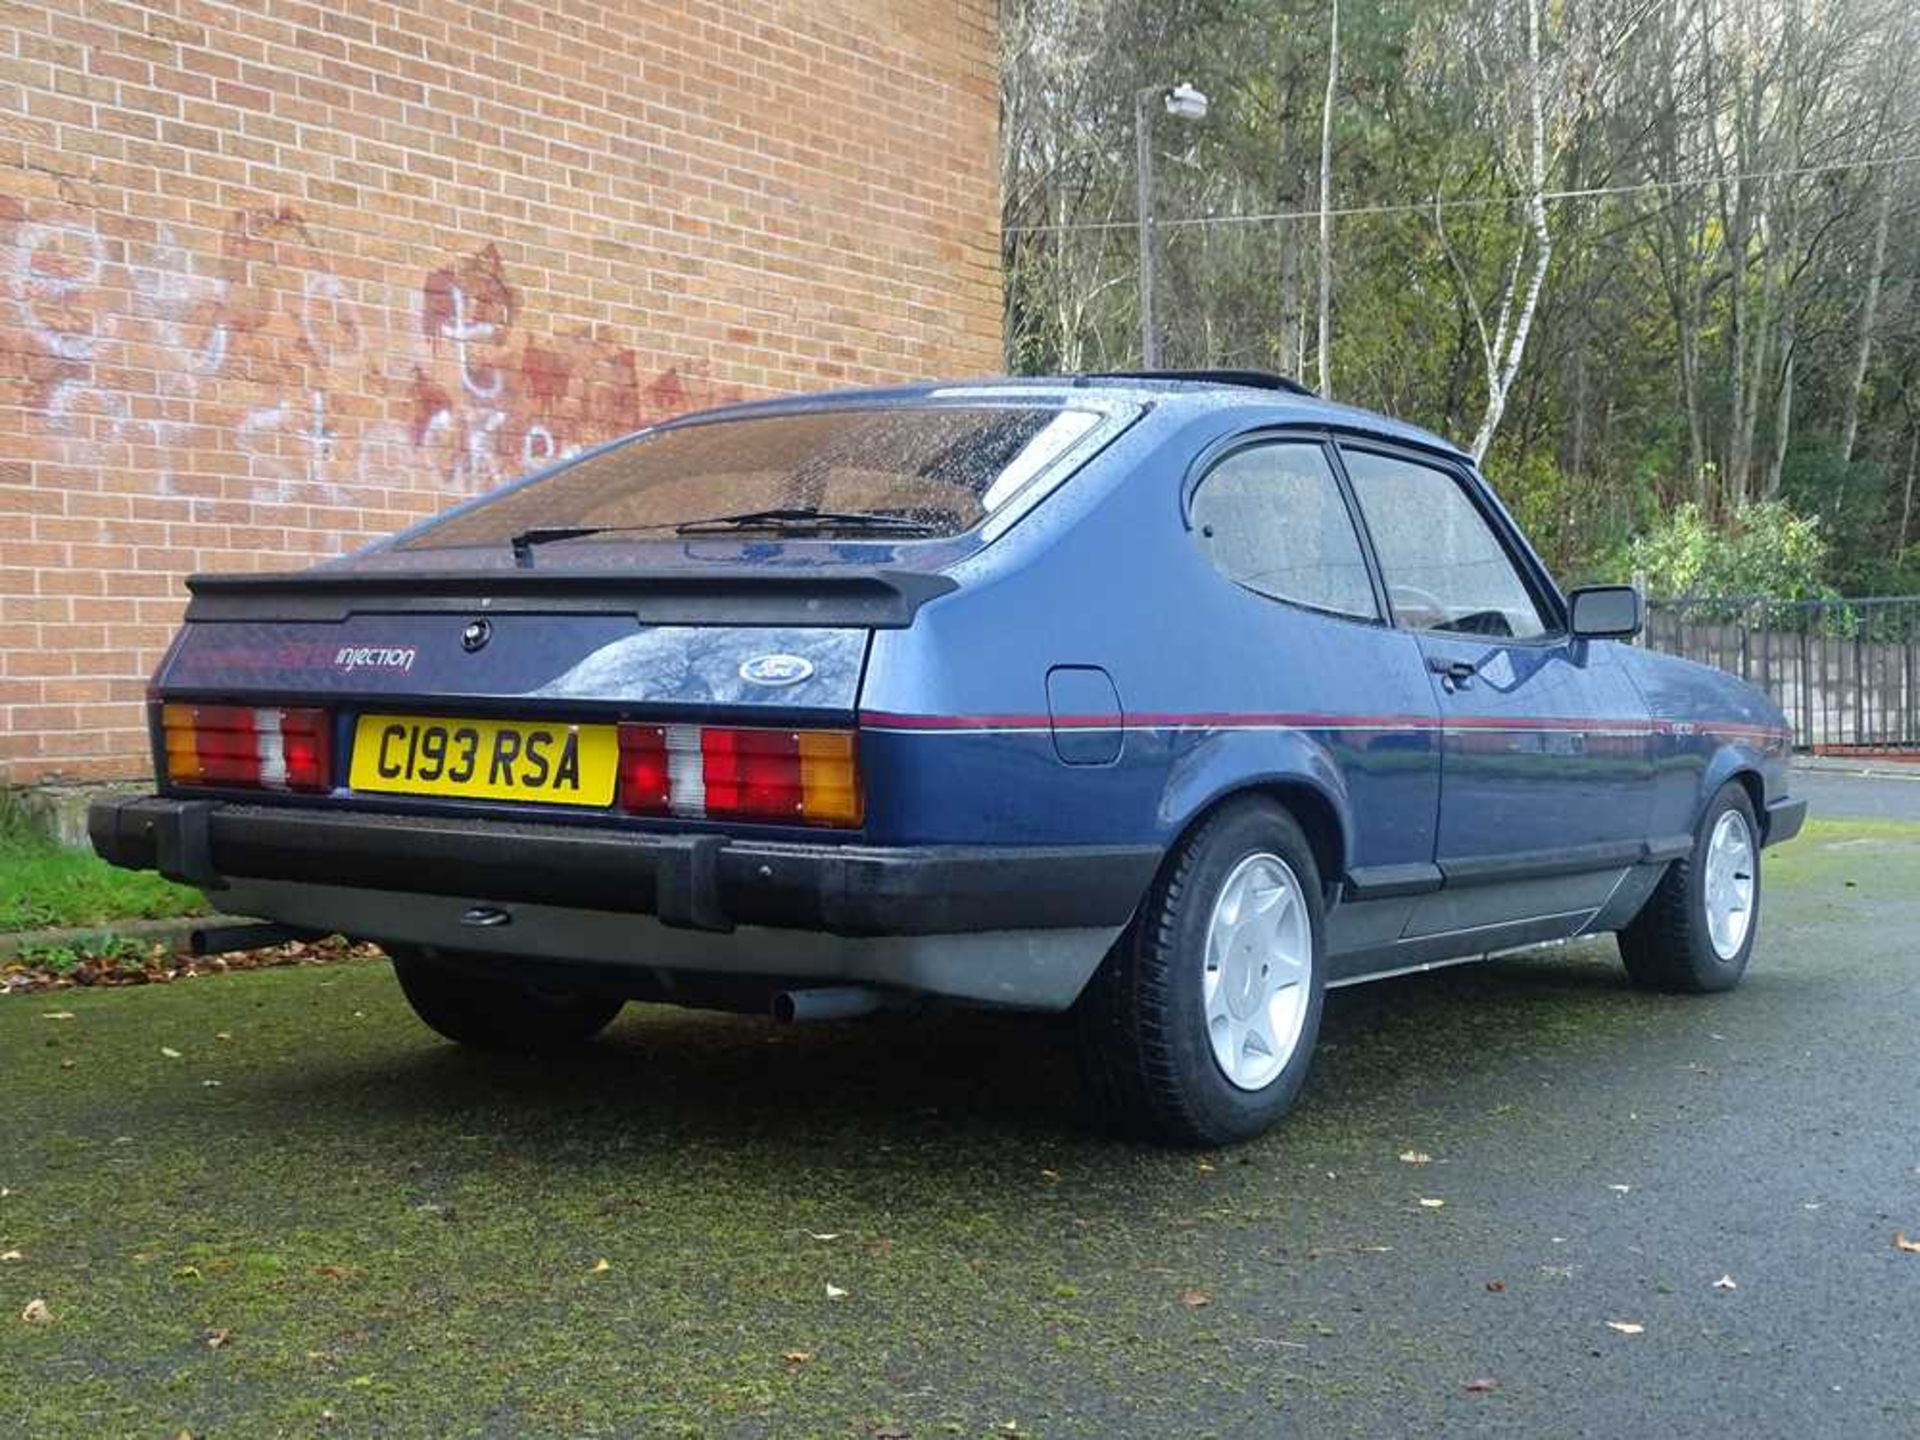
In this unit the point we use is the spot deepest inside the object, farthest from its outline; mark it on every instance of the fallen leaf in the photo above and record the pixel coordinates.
(796, 1357)
(1431, 1204)
(1481, 1387)
(57, 1015)
(601, 1266)
(1900, 1242)
(331, 1272)
(1725, 1282)
(37, 1313)
(187, 1272)
(892, 1432)
(1194, 1299)
(829, 1235)
(169, 1052)
(1626, 1327)
(1415, 1157)
(834, 1292)
(217, 1338)
(1496, 1286)
(880, 1248)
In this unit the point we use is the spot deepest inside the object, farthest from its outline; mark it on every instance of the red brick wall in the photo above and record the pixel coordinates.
(277, 277)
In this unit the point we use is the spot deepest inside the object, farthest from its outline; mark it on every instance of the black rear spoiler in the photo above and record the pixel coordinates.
(871, 599)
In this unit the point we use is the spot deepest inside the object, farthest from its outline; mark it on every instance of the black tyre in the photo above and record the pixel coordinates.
(1697, 929)
(1199, 1026)
(474, 1008)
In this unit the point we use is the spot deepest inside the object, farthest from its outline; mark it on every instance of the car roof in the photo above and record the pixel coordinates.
(1187, 393)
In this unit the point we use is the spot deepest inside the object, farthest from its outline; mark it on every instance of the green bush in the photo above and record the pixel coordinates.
(1767, 550)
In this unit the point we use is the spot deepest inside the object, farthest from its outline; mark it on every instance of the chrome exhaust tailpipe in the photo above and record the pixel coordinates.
(826, 1002)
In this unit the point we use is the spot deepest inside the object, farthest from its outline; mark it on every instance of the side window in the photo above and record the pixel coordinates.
(1444, 566)
(1271, 517)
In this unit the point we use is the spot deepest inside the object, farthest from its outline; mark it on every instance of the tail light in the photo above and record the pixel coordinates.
(799, 777)
(243, 745)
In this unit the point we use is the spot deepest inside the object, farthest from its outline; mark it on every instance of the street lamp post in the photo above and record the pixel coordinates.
(1189, 104)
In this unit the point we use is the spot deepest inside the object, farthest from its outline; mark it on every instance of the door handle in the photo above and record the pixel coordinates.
(1454, 674)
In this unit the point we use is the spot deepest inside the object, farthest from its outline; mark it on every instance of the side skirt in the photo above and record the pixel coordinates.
(1361, 949)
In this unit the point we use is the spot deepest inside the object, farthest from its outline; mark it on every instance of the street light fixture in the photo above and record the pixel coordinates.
(1187, 103)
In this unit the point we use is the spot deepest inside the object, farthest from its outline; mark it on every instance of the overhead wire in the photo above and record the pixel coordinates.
(1461, 202)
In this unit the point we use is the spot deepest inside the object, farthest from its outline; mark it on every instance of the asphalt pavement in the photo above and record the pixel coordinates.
(1517, 1198)
(1838, 789)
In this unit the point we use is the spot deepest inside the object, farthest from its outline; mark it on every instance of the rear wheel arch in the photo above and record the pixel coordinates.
(1313, 809)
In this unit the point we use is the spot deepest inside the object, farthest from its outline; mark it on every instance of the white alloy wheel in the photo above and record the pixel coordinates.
(1729, 884)
(1259, 962)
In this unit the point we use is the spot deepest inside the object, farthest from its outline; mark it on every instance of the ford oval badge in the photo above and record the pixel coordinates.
(776, 670)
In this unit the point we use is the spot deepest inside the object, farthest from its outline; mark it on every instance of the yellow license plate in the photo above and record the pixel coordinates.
(537, 760)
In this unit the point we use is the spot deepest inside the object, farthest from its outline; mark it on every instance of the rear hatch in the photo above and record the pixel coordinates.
(672, 626)
(538, 691)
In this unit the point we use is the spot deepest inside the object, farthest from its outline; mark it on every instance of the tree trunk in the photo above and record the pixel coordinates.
(1850, 421)
(1511, 343)
(1326, 208)
(1783, 414)
(1906, 503)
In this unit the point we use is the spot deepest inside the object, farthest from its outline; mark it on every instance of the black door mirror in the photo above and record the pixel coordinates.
(1606, 612)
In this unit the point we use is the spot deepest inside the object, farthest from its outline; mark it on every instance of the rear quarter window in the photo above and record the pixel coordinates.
(1271, 518)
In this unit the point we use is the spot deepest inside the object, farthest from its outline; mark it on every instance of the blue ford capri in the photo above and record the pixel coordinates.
(1169, 701)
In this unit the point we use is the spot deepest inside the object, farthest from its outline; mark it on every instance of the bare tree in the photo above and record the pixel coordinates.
(1509, 343)
(1869, 310)
(1326, 207)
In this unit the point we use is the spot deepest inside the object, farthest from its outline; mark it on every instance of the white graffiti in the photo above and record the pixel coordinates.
(484, 382)
(56, 268)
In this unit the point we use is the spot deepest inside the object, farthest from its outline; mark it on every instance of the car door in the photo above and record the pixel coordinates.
(1299, 649)
(1546, 763)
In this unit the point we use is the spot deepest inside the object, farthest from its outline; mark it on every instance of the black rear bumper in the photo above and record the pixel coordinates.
(702, 882)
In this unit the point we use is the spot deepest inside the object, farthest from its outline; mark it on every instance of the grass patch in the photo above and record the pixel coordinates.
(43, 884)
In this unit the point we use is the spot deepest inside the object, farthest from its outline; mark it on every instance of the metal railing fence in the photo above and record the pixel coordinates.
(1845, 672)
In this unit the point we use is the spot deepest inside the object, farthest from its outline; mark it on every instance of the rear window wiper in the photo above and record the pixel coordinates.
(805, 520)
(782, 519)
(524, 542)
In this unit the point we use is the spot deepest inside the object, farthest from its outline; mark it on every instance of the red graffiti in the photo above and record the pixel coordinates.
(468, 298)
(500, 403)
(279, 315)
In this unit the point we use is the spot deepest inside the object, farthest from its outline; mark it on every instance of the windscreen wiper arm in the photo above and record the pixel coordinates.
(781, 519)
(524, 542)
(795, 519)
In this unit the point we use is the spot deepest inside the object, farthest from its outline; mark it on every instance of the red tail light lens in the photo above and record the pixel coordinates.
(799, 777)
(240, 745)
(644, 784)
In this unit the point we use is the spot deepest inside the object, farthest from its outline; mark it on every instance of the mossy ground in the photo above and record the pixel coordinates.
(392, 1237)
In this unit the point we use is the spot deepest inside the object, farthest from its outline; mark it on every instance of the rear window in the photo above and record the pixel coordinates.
(940, 468)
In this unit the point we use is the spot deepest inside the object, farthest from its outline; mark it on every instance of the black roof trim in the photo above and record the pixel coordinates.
(1250, 379)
